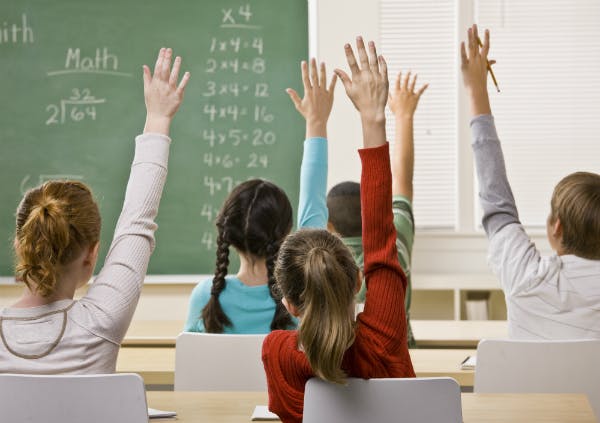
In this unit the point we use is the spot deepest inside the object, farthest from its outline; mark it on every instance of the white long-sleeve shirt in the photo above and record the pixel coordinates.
(95, 325)
(554, 297)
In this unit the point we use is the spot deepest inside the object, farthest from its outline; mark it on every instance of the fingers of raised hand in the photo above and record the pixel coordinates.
(351, 60)
(314, 75)
(175, 72)
(294, 97)
(159, 61)
(405, 81)
(422, 90)
(411, 86)
(383, 70)
(486, 44)
(398, 85)
(463, 54)
(362, 54)
(305, 77)
(472, 39)
(373, 60)
(146, 75)
(183, 84)
(345, 79)
(166, 64)
(332, 83)
(322, 76)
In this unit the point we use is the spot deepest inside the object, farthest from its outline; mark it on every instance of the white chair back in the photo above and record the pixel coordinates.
(539, 367)
(418, 400)
(115, 398)
(217, 362)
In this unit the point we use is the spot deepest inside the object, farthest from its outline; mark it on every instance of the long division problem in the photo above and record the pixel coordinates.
(239, 132)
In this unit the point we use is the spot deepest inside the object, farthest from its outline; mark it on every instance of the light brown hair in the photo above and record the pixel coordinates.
(318, 275)
(576, 202)
(55, 222)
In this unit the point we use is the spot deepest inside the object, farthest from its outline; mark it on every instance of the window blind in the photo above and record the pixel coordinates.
(421, 36)
(548, 113)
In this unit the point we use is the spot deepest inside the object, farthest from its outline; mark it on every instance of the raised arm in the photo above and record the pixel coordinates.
(403, 102)
(315, 107)
(384, 312)
(112, 298)
(495, 195)
(512, 255)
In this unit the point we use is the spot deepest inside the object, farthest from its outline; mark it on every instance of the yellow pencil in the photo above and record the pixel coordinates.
(489, 67)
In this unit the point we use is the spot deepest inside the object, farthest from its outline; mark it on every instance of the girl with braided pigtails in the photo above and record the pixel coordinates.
(254, 220)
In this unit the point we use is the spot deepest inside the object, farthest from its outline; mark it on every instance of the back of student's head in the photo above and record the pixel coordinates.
(55, 223)
(255, 219)
(343, 203)
(317, 274)
(576, 202)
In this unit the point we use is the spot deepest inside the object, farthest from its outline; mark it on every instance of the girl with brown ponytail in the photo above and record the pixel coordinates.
(254, 220)
(56, 246)
(318, 277)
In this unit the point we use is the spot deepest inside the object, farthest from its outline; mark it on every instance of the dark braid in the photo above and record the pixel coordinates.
(213, 315)
(281, 318)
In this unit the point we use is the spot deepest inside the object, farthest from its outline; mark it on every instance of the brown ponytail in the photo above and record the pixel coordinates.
(317, 273)
(55, 222)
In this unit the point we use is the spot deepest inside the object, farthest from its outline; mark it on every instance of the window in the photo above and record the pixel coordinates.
(548, 113)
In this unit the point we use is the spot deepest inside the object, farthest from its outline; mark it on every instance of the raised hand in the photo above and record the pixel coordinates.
(403, 98)
(317, 102)
(474, 67)
(368, 87)
(162, 94)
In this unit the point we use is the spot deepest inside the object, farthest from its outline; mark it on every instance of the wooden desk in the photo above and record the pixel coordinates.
(457, 333)
(237, 407)
(428, 333)
(152, 333)
(157, 365)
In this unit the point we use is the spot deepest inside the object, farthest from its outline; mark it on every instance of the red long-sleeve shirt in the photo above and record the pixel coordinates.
(380, 348)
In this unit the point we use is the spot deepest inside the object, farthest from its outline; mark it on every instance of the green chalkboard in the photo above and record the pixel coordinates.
(72, 103)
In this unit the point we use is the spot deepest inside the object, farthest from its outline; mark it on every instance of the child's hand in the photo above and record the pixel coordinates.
(161, 93)
(403, 99)
(318, 99)
(368, 88)
(474, 70)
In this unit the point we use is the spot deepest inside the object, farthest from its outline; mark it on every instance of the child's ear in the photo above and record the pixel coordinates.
(292, 309)
(359, 281)
(557, 230)
(92, 255)
(331, 228)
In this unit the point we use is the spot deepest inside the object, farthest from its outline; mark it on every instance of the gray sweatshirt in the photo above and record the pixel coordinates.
(95, 325)
(555, 297)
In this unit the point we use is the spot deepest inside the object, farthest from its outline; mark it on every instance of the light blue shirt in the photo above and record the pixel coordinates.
(312, 205)
(250, 308)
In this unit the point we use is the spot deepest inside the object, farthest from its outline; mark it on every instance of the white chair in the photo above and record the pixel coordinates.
(118, 398)
(217, 362)
(420, 400)
(539, 367)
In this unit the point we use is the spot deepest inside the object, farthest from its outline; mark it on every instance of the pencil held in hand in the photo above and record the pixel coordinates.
(489, 67)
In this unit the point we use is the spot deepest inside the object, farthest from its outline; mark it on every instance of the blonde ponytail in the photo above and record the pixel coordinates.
(55, 222)
(317, 273)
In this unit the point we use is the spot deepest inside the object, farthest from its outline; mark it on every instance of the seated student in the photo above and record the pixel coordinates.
(319, 278)
(343, 200)
(56, 246)
(555, 297)
(255, 219)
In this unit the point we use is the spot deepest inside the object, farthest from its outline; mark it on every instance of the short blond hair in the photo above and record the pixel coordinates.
(576, 202)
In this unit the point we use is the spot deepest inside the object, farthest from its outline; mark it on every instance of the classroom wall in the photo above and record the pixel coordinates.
(434, 253)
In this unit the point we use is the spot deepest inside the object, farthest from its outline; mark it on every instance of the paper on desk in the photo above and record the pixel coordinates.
(160, 414)
(469, 363)
(261, 412)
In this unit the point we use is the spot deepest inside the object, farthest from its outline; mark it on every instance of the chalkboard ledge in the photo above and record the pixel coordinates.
(150, 279)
